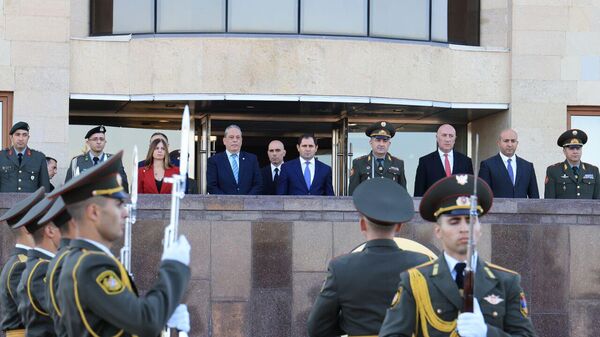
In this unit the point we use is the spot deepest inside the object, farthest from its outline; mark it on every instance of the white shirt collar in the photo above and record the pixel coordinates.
(311, 161)
(230, 153)
(100, 156)
(99, 245)
(452, 263)
(273, 167)
(505, 158)
(442, 153)
(42, 250)
(20, 245)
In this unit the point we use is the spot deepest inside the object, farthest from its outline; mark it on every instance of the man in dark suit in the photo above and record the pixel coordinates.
(509, 176)
(305, 175)
(233, 171)
(441, 163)
(360, 286)
(271, 172)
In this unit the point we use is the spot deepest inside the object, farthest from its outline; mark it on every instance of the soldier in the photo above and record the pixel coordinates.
(32, 286)
(11, 323)
(429, 298)
(572, 178)
(96, 141)
(360, 286)
(95, 293)
(22, 169)
(379, 163)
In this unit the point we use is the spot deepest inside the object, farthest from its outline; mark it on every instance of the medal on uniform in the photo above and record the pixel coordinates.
(32, 177)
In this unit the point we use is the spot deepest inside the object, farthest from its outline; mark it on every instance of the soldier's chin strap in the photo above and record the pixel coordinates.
(424, 311)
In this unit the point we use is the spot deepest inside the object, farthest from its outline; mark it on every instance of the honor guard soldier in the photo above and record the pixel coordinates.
(360, 286)
(379, 163)
(95, 293)
(95, 140)
(429, 299)
(11, 323)
(32, 287)
(22, 169)
(572, 178)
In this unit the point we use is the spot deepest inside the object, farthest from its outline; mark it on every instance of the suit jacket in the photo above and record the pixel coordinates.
(498, 290)
(83, 162)
(493, 171)
(9, 280)
(430, 170)
(220, 179)
(361, 286)
(291, 179)
(269, 185)
(28, 176)
(147, 184)
(561, 182)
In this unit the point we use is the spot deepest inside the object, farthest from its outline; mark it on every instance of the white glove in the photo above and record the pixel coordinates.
(472, 324)
(178, 251)
(180, 319)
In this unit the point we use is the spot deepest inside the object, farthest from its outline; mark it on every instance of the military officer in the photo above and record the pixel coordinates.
(11, 322)
(32, 286)
(572, 178)
(95, 140)
(22, 169)
(429, 298)
(360, 286)
(379, 163)
(95, 293)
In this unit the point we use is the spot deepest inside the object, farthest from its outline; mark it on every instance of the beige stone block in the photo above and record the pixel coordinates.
(528, 67)
(583, 43)
(539, 43)
(231, 260)
(80, 18)
(100, 67)
(494, 40)
(570, 68)
(541, 18)
(587, 93)
(37, 8)
(494, 21)
(544, 91)
(485, 79)
(40, 54)
(37, 28)
(5, 50)
(312, 246)
(493, 4)
(50, 104)
(48, 79)
(542, 2)
(346, 237)
(584, 274)
(2, 23)
(7, 78)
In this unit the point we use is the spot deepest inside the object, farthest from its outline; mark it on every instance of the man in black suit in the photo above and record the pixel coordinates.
(270, 173)
(441, 163)
(509, 176)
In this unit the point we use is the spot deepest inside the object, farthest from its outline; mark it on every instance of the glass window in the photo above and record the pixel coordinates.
(463, 22)
(101, 17)
(263, 16)
(133, 16)
(439, 20)
(591, 126)
(407, 19)
(182, 16)
(335, 17)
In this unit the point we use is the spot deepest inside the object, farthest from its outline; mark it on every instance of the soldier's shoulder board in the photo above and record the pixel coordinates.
(497, 267)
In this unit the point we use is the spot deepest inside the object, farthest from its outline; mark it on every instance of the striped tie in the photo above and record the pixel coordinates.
(234, 167)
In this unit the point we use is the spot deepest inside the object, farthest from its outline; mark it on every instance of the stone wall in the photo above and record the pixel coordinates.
(259, 262)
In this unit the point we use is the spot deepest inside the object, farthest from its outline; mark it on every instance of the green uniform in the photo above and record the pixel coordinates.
(561, 182)
(84, 162)
(359, 288)
(28, 176)
(54, 268)
(97, 297)
(9, 279)
(32, 296)
(367, 167)
(428, 298)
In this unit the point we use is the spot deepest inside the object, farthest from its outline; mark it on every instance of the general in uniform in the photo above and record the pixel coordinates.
(22, 169)
(360, 286)
(95, 293)
(11, 322)
(96, 141)
(378, 163)
(429, 299)
(572, 178)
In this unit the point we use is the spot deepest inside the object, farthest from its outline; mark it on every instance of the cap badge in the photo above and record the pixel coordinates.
(462, 179)
(383, 124)
(493, 299)
(102, 129)
(463, 201)
(574, 132)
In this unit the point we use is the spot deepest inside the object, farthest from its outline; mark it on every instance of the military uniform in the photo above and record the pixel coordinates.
(84, 161)
(28, 176)
(562, 183)
(367, 167)
(52, 275)
(9, 279)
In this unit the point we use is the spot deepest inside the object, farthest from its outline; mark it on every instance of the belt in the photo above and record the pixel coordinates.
(15, 333)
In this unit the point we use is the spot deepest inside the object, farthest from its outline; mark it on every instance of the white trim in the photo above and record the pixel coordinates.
(244, 97)
(491, 106)
(109, 38)
(438, 104)
(101, 97)
(337, 99)
(189, 97)
(142, 98)
(477, 48)
(400, 101)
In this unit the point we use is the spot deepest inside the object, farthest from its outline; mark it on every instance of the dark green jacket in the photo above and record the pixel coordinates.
(359, 288)
(561, 183)
(498, 291)
(83, 162)
(366, 167)
(54, 269)
(9, 279)
(30, 175)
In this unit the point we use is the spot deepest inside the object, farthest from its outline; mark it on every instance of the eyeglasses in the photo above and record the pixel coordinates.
(97, 139)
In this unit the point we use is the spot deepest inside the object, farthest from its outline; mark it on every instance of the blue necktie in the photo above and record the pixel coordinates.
(511, 174)
(234, 167)
(307, 175)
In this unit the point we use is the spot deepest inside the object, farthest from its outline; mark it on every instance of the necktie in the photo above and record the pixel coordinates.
(96, 160)
(447, 165)
(276, 176)
(20, 158)
(234, 167)
(575, 171)
(511, 173)
(307, 175)
(380, 165)
(460, 277)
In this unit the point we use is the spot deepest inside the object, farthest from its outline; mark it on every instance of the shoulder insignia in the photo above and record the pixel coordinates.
(523, 304)
(110, 282)
(425, 264)
(396, 299)
(22, 258)
(494, 266)
(546, 180)
(583, 166)
(489, 272)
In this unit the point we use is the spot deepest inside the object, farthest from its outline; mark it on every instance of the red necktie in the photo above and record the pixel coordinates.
(447, 165)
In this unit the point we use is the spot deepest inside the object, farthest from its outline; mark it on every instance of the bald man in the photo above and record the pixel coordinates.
(270, 173)
(441, 163)
(509, 176)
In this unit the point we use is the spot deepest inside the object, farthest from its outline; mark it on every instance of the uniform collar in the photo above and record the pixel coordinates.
(452, 261)
(22, 246)
(45, 252)
(381, 243)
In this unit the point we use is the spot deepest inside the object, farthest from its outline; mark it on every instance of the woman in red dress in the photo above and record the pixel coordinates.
(156, 168)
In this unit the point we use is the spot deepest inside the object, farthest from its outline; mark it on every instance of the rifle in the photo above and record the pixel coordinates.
(177, 193)
(473, 220)
(131, 210)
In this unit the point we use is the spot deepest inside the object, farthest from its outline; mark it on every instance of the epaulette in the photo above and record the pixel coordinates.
(491, 265)
(361, 157)
(425, 264)
(22, 258)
